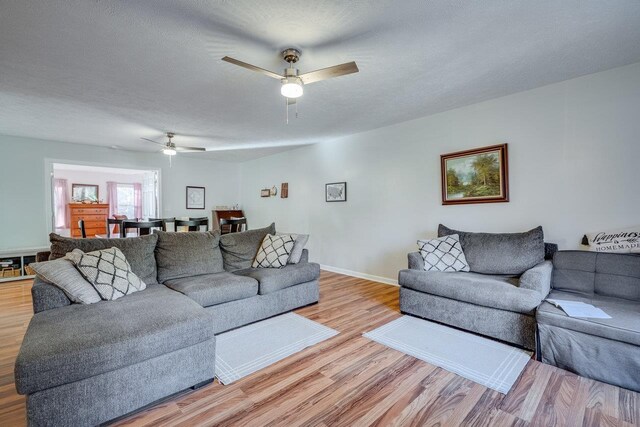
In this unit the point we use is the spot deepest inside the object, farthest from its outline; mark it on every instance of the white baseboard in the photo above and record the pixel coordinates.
(359, 275)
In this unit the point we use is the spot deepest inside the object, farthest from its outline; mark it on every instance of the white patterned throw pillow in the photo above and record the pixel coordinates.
(443, 254)
(274, 251)
(108, 271)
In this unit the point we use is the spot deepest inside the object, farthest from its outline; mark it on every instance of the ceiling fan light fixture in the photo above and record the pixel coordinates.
(291, 87)
(169, 151)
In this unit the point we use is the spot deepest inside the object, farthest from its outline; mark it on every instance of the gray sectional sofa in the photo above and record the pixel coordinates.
(603, 349)
(510, 276)
(89, 364)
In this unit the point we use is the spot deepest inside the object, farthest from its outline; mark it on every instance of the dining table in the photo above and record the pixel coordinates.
(115, 236)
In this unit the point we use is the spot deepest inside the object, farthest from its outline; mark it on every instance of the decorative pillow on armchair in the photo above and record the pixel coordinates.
(108, 271)
(443, 254)
(274, 251)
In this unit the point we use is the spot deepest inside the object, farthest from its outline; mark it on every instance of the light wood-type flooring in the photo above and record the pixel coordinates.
(349, 380)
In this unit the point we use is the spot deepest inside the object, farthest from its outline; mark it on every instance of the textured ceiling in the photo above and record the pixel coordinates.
(109, 72)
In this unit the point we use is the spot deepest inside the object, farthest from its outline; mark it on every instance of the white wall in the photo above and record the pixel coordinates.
(574, 160)
(25, 189)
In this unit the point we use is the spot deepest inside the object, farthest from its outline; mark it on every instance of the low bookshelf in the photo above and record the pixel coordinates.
(14, 264)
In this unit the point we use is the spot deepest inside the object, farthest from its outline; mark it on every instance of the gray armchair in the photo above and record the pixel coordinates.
(500, 306)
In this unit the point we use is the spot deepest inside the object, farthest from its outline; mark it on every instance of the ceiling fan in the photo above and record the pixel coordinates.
(171, 149)
(292, 81)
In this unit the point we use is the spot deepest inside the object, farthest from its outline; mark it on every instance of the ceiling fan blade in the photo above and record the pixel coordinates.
(190, 149)
(252, 67)
(155, 142)
(330, 72)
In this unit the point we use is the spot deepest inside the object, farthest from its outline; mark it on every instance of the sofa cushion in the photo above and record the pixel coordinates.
(500, 253)
(80, 341)
(240, 249)
(605, 274)
(499, 292)
(187, 254)
(212, 289)
(64, 275)
(272, 280)
(137, 250)
(623, 326)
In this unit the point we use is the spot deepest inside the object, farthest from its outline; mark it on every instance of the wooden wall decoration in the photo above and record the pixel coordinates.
(284, 190)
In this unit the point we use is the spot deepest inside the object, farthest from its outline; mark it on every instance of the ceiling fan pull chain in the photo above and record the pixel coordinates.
(286, 107)
(296, 110)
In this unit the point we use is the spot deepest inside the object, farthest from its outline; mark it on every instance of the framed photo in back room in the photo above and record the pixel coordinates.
(195, 197)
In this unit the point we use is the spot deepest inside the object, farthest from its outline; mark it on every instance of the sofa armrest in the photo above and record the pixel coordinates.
(538, 278)
(416, 262)
(46, 296)
(549, 250)
(305, 256)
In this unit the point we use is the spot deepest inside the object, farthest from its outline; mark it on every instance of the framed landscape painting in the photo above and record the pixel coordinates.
(475, 176)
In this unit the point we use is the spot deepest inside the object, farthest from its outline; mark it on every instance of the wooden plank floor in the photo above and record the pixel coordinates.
(351, 381)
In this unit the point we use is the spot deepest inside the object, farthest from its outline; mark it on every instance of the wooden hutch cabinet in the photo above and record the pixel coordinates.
(94, 216)
(226, 214)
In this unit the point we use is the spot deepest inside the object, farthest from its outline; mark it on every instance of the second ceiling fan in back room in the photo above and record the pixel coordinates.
(171, 149)
(293, 82)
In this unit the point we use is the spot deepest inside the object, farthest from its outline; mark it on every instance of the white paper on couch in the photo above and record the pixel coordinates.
(579, 309)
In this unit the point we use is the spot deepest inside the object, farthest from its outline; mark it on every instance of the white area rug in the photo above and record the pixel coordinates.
(487, 362)
(246, 350)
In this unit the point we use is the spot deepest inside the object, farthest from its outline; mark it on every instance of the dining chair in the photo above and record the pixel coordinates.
(204, 222)
(83, 232)
(143, 227)
(194, 224)
(232, 225)
(165, 221)
(117, 226)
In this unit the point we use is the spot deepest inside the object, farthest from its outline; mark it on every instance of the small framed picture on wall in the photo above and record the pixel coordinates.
(195, 197)
(336, 192)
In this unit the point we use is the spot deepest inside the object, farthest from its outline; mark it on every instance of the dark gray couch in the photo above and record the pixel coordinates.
(603, 349)
(508, 280)
(88, 364)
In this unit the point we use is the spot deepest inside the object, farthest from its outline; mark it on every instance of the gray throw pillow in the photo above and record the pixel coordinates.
(137, 250)
(500, 253)
(240, 249)
(64, 275)
(187, 254)
(108, 271)
(298, 246)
